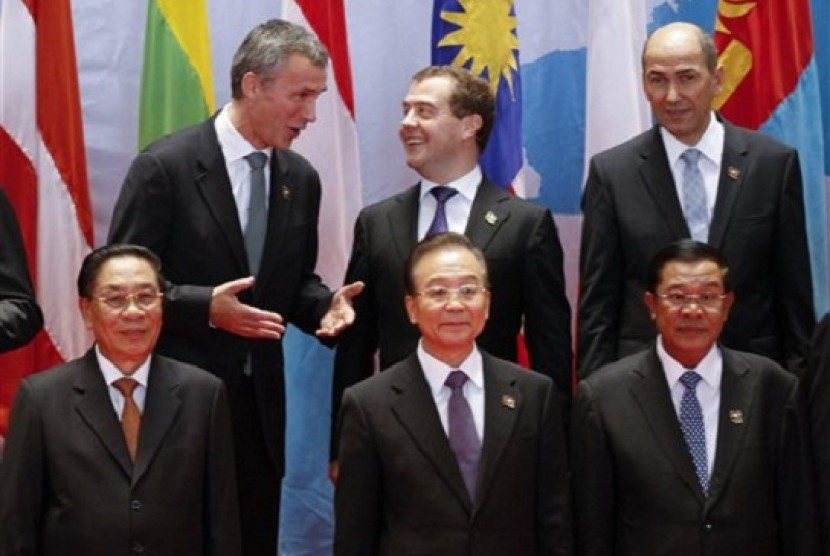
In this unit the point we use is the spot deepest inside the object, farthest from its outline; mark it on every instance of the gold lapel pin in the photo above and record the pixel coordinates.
(736, 416)
(285, 192)
(491, 218)
(508, 401)
(733, 172)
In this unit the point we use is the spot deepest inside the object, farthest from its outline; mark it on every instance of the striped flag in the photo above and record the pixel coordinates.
(43, 168)
(331, 145)
(771, 83)
(176, 80)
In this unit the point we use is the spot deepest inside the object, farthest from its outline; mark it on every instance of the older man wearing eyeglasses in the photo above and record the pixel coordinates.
(452, 451)
(689, 448)
(120, 450)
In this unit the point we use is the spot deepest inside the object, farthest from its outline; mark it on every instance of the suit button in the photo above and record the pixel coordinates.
(138, 548)
(707, 527)
(136, 505)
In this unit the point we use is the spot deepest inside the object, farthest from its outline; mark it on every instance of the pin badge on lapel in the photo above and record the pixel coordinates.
(736, 416)
(508, 401)
(491, 218)
(285, 192)
(733, 172)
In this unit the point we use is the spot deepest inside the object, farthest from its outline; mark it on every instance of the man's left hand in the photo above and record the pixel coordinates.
(341, 313)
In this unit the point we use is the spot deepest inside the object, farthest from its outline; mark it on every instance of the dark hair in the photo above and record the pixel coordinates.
(471, 95)
(707, 47)
(268, 45)
(92, 264)
(685, 251)
(439, 242)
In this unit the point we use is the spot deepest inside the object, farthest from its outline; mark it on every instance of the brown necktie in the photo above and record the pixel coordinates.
(130, 416)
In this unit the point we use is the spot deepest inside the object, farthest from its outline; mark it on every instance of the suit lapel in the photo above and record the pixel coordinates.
(160, 409)
(658, 180)
(403, 221)
(215, 187)
(499, 421)
(653, 395)
(732, 171)
(487, 214)
(94, 405)
(415, 409)
(736, 402)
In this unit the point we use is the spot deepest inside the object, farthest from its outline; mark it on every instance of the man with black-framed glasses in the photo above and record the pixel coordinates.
(121, 449)
(690, 448)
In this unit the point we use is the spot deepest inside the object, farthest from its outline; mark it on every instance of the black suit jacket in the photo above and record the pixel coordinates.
(635, 486)
(68, 485)
(631, 211)
(524, 262)
(400, 491)
(177, 201)
(20, 316)
(817, 384)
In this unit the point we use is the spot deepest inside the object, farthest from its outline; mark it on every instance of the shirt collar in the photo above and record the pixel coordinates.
(466, 185)
(436, 371)
(710, 367)
(234, 146)
(111, 372)
(710, 144)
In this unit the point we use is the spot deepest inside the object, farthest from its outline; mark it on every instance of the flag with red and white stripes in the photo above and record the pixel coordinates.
(43, 170)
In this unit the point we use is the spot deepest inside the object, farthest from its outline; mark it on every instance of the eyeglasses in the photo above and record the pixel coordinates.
(144, 300)
(440, 295)
(678, 300)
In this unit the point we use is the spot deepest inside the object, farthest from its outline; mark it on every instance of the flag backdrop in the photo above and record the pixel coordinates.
(579, 93)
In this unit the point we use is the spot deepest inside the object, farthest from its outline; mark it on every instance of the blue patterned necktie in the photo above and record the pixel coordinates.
(694, 196)
(439, 223)
(257, 212)
(462, 431)
(691, 421)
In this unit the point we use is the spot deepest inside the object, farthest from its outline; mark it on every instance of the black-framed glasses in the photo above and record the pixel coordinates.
(440, 295)
(678, 300)
(144, 300)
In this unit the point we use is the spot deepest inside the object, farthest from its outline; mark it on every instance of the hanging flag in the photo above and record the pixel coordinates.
(177, 80)
(43, 169)
(771, 83)
(331, 145)
(480, 35)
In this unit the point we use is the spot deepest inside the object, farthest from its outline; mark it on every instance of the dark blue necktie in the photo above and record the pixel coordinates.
(439, 223)
(462, 431)
(691, 421)
(257, 212)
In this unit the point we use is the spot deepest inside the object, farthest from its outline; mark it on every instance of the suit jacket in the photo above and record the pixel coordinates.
(635, 486)
(817, 384)
(177, 201)
(631, 211)
(400, 491)
(68, 485)
(524, 263)
(20, 316)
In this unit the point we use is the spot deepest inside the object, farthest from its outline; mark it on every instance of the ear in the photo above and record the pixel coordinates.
(472, 124)
(250, 84)
(85, 305)
(411, 309)
(651, 302)
(727, 304)
(718, 77)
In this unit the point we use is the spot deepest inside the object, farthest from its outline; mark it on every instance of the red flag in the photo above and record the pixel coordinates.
(43, 169)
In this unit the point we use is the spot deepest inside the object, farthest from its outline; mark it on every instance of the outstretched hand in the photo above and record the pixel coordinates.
(231, 315)
(341, 312)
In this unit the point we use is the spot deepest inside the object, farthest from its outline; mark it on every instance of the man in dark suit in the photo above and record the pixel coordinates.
(76, 481)
(233, 215)
(448, 115)
(817, 384)
(478, 467)
(750, 208)
(20, 316)
(690, 448)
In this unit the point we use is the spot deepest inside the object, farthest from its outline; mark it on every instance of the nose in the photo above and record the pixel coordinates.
(310, 110)
(672, 94)
(409, 118)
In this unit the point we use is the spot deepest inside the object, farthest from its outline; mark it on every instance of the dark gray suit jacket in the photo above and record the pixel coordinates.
(400, 491)
(20, 316)
(177, 201)
(635, 486)
(817, 384)
(631, 211)
(68, 486)
(524, 261)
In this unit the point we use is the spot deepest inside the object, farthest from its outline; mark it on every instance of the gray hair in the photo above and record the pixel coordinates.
(268, 45)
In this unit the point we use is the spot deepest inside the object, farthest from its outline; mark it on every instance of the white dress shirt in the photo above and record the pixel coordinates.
(457, 208)
(111, 374)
